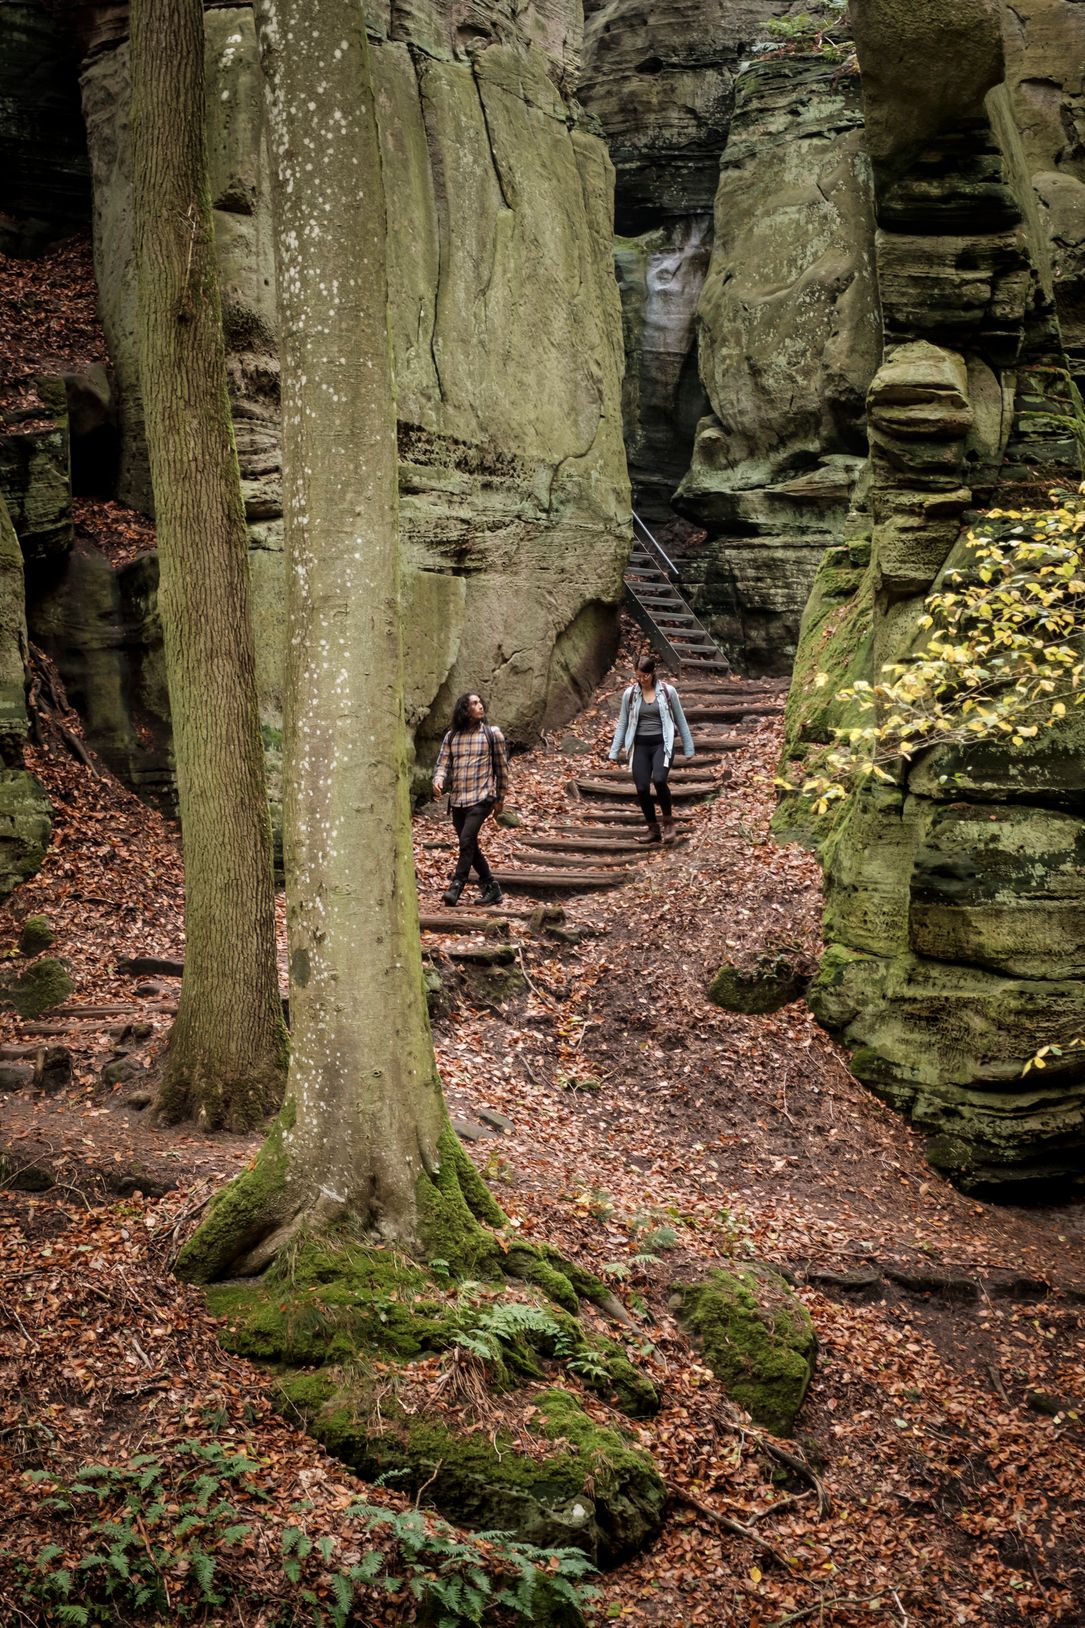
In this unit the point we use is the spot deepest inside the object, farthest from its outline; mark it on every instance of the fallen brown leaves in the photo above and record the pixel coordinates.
(48, 320)
(653, 1136)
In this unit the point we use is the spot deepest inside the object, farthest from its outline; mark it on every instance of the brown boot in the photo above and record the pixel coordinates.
(653, 834)
(668, 829)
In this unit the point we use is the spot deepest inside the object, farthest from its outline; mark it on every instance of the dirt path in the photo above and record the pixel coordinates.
(944, 1424)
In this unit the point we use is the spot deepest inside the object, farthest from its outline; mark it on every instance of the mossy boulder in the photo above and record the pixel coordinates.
(757, 1338)
(36, 935)
(591, 1489)
(770, 983)
(43, 984)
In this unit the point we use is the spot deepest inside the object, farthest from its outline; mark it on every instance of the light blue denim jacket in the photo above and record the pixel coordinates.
(670, 713)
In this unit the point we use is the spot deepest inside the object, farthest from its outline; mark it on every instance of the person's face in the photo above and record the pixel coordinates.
(645, 680)
(476, 708)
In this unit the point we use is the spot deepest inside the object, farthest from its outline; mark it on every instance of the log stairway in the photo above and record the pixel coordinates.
(654, 599)
(593, 846)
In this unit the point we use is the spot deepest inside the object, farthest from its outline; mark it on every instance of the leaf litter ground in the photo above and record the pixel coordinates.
(938, 1474)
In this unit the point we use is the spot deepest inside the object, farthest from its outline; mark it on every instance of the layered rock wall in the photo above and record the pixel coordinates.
(955, 903)
(506, 328)
(788, 327)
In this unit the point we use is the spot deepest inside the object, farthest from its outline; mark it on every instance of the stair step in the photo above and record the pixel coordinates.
(544, 881)
(726, 715)
(625, 789)
(604, 817)
(558, 859)
(582, 845)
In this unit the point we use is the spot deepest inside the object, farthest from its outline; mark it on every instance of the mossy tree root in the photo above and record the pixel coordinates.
(214, 1101)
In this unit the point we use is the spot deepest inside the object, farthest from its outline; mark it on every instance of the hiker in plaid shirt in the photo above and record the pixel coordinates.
(473, 766)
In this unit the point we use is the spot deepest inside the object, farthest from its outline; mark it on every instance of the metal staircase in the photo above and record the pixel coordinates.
(655, 602)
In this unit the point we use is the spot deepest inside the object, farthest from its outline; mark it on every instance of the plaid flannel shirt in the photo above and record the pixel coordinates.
(466, 765)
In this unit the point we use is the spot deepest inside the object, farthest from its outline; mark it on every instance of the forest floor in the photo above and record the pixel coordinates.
(650, 1136)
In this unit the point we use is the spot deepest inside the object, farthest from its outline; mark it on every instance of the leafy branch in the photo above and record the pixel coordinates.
(1002, 658)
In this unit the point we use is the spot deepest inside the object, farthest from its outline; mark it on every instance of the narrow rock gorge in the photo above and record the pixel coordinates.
(812, 285)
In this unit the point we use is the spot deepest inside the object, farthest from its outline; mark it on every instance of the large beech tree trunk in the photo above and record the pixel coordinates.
(227, 1052)
(364, 1141)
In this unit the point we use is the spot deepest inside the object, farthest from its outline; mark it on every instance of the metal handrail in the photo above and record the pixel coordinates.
(654, 546)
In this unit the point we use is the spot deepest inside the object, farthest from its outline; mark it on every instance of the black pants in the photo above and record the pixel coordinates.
(649, 768)
(468, 822)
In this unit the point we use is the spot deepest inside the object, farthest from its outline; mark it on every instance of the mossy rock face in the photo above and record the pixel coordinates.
(37, 935)
(594, 1491)
(757, 1338)
(43, 984)
(760, 988)
(26, 824)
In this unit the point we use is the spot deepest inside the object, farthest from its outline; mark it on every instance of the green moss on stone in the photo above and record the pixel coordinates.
(757, 1338)
(760, 988)
(43, 984)
(835, 638)
(37, 935)
(595, 1491)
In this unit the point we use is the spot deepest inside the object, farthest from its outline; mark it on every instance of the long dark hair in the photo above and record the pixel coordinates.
(461, 718)
(646, 663)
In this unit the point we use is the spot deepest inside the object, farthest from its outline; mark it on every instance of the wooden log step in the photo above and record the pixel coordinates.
(619, 846)
(131, 1009)
(567, 881)
(716, 714)
(490, 926)
(555, 857)
(681, 773)
(622, 822)
(483, 955)
(625, 789)
(607, 816)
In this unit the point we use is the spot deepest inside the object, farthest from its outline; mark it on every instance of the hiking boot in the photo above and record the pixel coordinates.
(491, 893)
(451, 894)
(653, 834)
(668, 829)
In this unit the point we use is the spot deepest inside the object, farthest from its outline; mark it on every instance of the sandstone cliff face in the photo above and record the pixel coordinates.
(955, 910)
(788, 324)
(705, 112)
(507, 340)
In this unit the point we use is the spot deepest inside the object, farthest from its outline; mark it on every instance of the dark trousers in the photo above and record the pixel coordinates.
(649, 768)
(468, 822)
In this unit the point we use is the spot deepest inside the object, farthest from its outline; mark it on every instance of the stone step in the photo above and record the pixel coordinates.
(719, 690)
(624, 789)
(551, 881)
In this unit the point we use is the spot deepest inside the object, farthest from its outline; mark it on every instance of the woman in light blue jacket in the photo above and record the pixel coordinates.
(645, 734)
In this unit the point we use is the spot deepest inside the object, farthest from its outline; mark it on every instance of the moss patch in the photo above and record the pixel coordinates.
(757, 1338)
(37, 935)
(595, 1491)
(43, 984)
(772, 982)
